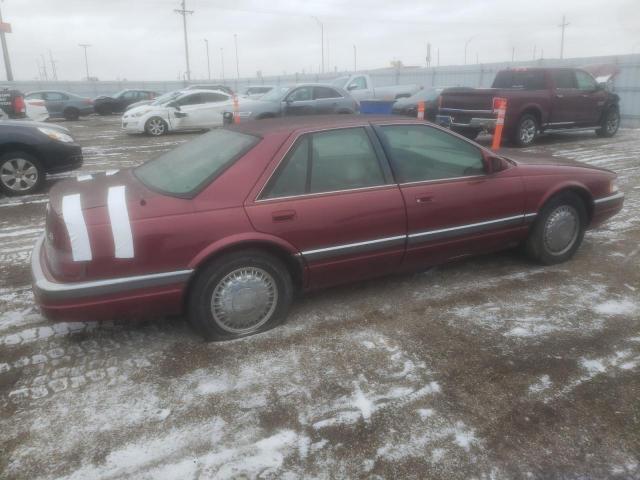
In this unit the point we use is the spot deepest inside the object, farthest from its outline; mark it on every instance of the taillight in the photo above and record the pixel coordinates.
(18, 104)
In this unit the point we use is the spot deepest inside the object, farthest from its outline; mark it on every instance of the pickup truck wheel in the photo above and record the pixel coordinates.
(610, 123)
(240, 294)
(558, 230)
(526, 131)
(20, 173)
(156, 126)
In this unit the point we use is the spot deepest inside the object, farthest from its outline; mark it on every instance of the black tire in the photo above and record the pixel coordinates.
(470, 133)
(156, 127)
(71, 113)
(211, 280)
(103, 109)
(31, 182)
(558, 209)
(526, 131)
(610, 123)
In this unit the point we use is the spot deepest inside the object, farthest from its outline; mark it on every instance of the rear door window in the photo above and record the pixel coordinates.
(328, 161)
(213, 97)
(325, 92)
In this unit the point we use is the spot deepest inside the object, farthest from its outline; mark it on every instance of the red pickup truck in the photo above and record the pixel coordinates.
(538, 100)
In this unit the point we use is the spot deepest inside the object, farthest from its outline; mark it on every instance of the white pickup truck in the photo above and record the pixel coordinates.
(361, 87)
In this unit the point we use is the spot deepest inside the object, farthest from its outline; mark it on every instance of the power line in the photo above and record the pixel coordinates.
(184, 12)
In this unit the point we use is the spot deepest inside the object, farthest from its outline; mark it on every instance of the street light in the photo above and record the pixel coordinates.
(235, 41)
(466, 45)
(86, 61)
(321, 39)
(206, 42)
(222, 62)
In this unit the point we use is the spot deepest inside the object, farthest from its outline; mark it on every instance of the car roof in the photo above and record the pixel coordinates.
(291, 124)
(202, 90)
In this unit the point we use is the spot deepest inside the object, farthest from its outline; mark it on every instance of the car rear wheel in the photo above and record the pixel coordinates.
(526, 131)
(610, 123)
(558, 230)
(156, 126)
(71, 114)
(103, 109)
(240, 294)
(20, 173)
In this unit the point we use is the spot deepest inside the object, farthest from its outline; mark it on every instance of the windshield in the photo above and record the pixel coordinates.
(184, 170)
(167, 97)
(275, 95)
(118, 94)
(340, 82)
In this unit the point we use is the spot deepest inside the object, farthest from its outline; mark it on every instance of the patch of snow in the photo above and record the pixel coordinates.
(543, 383)
(616, 307)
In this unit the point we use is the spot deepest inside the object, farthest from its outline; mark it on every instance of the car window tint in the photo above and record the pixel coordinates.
(291, 177)
(425, 153)
(300, 94)
(585, 81)
(131, 95)
(325, 92)
(33, 96)
(214, 97)
(520, 79)
(194, 99)
(358, 83)
(54, 96)
(564, 78)
(343, 159)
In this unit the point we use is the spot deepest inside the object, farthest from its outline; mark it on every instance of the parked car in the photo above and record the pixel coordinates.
(229, 225)
(12, 103)
(211, 86)
(539, 100)
(149, 101)
(257, 91)
(30, 150)
(63, 104)
(409, 106)
(183, 110)
(303, 99)
(361, 87)
(117, 103)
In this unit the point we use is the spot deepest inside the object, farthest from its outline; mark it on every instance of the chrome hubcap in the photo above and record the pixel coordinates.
(156, 127)
(527, 131)
(244, 300)
(612, 122)
(18, 174)
(561, 230)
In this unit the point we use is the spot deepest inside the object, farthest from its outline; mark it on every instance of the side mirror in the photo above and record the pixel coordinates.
(495, 164)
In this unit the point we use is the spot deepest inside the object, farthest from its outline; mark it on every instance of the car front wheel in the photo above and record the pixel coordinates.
(156, 126)
(20, 173)
(610, 123)
(240, 294)
(71, 114)
(558, 230)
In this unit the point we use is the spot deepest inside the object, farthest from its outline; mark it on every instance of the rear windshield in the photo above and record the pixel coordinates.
(520, 79)
(189, 167)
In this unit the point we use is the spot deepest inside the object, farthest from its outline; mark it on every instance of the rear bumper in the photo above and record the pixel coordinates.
(101, 299)
(478, 123)
(605, 208)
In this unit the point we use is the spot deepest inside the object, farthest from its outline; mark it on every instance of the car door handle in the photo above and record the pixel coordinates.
(424, 198)
(283, 215)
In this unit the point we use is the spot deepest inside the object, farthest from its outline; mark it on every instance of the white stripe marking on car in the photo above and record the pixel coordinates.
(77, 228)
(120, 225)
(84, 178)
(111, 172)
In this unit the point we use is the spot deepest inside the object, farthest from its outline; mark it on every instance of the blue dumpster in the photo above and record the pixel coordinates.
(378, 107)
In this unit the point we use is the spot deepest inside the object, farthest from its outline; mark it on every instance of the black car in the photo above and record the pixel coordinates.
(118, 103)
(30, 150)
(409, 106)
(12, 103)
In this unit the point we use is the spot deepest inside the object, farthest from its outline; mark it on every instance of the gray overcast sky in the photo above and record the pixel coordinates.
(143, 40)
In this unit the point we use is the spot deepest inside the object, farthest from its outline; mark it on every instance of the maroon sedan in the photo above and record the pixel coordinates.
(230, 225)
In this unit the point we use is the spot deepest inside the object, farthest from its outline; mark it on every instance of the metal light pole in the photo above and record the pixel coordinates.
(563, 25)
(321, 39)
(206, 42)
(86, 59)
(235, 41)
(183, 11)
(5, 50)
(355, 69)
(222, 62)
(466, 45)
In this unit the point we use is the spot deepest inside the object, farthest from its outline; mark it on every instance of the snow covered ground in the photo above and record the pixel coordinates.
(492, 368)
